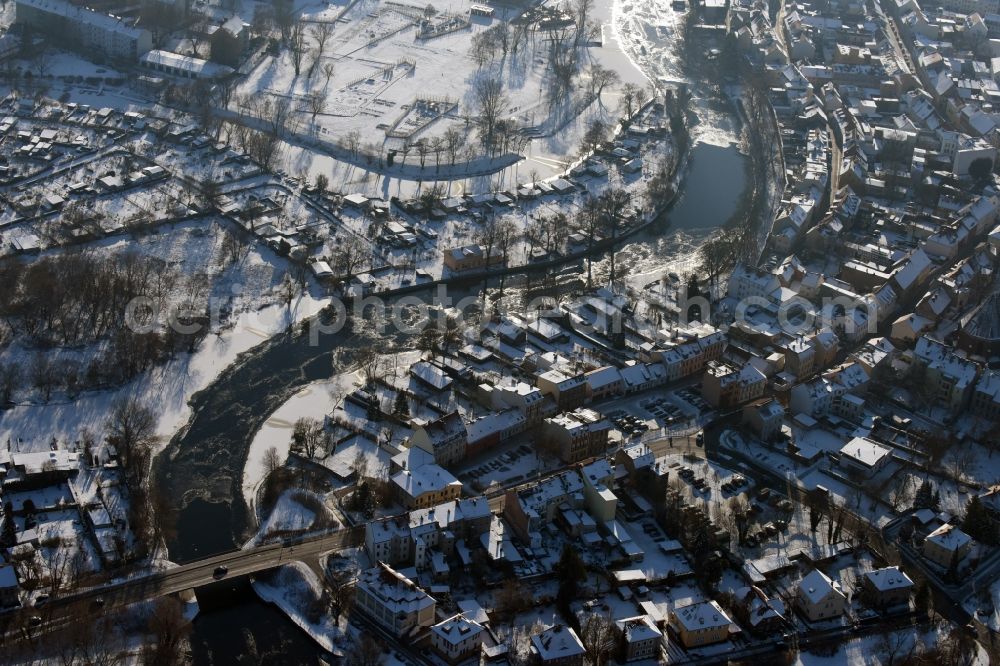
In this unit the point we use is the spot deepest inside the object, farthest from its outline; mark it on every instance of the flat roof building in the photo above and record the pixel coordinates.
(84, 29)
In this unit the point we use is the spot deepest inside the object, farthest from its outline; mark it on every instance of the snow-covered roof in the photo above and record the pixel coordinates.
(494, 423)
(816, 586)
(554, 488)
(84, 15)
(913, 269)
(36, 461)
(457, 629)
(412, 458)
(183, 63)
(939, 357)
(949, 538)
(471, 609)
(638, 629)
(703, 615)
(558, 642)
(865, 452)
(889, 578)
(431, 375)
(396, 592)
(429, 478)
(444, 429)
(597, 471)
(606, 376)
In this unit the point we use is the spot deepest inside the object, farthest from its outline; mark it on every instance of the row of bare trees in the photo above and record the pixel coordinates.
(83, 298)
(78, 297)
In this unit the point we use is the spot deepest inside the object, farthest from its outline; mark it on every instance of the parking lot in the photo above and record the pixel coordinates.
(516, 464)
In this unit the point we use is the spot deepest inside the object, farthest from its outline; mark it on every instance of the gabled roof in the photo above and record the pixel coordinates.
(817, 586)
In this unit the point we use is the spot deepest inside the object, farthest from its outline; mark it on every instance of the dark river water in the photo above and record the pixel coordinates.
(202, 468)
(712, 188)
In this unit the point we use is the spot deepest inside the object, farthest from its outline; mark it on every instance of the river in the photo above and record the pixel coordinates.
(202, 467)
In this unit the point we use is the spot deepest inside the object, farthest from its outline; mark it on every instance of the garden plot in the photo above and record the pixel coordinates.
(29, 146)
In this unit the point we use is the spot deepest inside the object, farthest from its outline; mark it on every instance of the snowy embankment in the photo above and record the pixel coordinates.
(167, 388)
(314, 401)
(297, 591)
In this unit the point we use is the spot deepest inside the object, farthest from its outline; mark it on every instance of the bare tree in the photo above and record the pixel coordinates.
(43, 375)
(350, 255)
(10, 378)
(321, 33)
(367, 650)
(614, 204)
(492, 103)
(272, 460)
(328, 71)
(601, 77)
(629, 99)
(235, 246)
(169, 630)
(453, 141)
(297, 44)
(505, 237)
(308, 437)
(131, 429)
(317, 101)
(360, 465)
(598, 635)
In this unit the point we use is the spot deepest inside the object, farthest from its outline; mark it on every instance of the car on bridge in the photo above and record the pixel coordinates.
(220, 572)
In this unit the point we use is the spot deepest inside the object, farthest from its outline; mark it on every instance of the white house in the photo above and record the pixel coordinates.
(820, 597)
(457, 637)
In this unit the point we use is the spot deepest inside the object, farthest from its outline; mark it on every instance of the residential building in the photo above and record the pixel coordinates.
(701, 623)
(949, 376)
(724, 385)
(887, 587)
(641, 638)
(864, 457)
(393, 601)
(745, 283)
(947, 545)
(764, 418)
(527, 399)
(445, 438)
(758, 612)
(986, 396)
(820, 597)
(825, 394)
(457, 638)
(529, 510)
(488, 431)
(598, 478)
(183, 67)
(568, 392)
(86, 30)
(577, 435)
(558, 646)
(425, 486)
(413, 538)
(800, 357)
(389, 540)
(604, 383)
